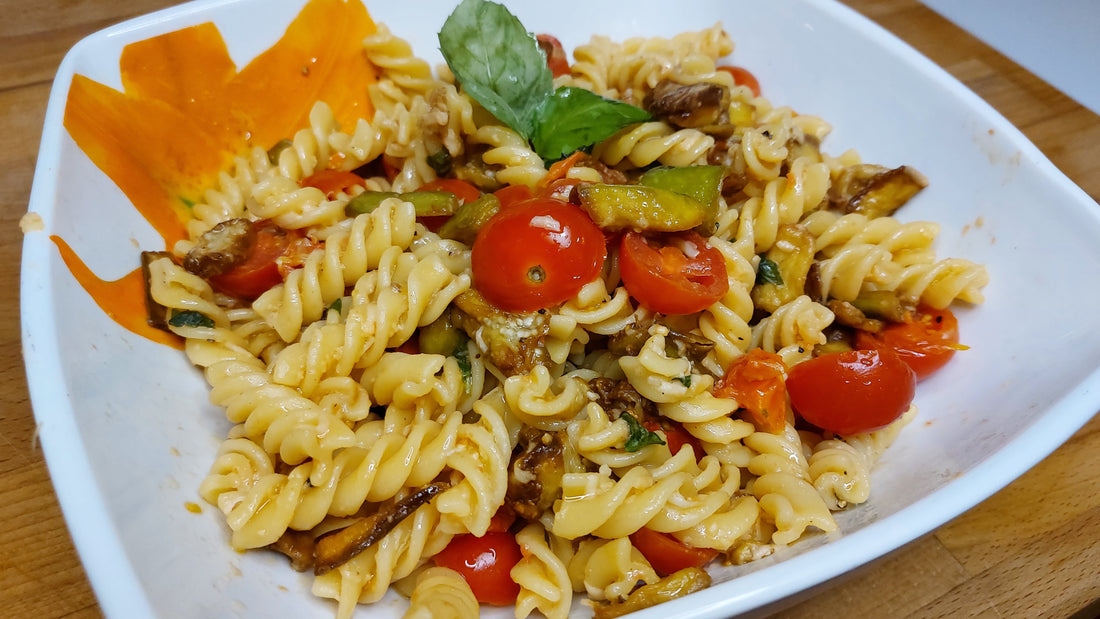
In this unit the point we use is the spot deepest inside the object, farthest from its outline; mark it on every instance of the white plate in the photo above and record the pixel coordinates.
(128, 433)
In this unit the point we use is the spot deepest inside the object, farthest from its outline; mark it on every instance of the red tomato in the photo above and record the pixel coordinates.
(851, 392)
(485, 562)
(667, 554)
(675, 435)
(743, 77)
(555, 54)
(513, 194)
(260, 270)
(560, 189)
(463, 190)
(332, 182)
(536, 254)
(681, 275)
(755, 380)
(925, 343)
(502, 520)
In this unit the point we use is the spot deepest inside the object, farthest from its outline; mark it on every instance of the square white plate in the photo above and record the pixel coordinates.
(129, 434)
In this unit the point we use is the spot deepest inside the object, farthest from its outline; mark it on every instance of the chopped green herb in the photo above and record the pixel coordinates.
(639, 436)
(187, 202)
(190, 318)
(499, 63)
(684, 380)
(768, 273)
(337, 305)
(462, 354)
(440, 161)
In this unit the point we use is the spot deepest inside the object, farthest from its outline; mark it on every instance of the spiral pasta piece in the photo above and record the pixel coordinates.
(442, 593)
(793, 330)
(542, 577)
(647, 143)
(519, 165)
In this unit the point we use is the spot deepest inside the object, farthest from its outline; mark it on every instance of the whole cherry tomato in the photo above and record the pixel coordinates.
(755, 380)
(667, 554)
(513, 194)
(743, 77)
(851, 392)
(260, 270)
(925, 343)
(332, 182)
(465, 192)
(672, 273)
(536, 254)
(486, 563)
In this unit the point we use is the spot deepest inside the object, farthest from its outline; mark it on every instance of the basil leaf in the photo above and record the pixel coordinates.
(462, 355)
(684, 380)
(190, 318)
(639, 437)
(497, 62)
(337, 305)
(573, 118)
(768, 273)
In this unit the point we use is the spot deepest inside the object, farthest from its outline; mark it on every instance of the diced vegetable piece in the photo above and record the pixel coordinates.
(634, 207)
(468, 219)
(883, 304)
(426, 203)
(874, 190)
(687, 105)
(792, 255)
(684, 582)
(702, 182)
(441, 337)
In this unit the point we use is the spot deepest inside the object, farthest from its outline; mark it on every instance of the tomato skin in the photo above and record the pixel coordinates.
(667, 554)
(556, 59)
(743, 77)
(536, 254)
(675, 435)
(465, 192)
(485, 562)
(260, 270)
(925, 343)
(852, 392)
(756, 381)
(332, 182)
(664, 279)
(513, 194)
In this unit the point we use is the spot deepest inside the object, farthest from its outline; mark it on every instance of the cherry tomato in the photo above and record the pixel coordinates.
(667, 554)
(673, 273)
(925, 343)
(743, 77)
(260, 270)
(555, 54)
(513, 194)
(485, 562)
(675, 435)
(332, 182)
(755, 380)
(536, 254)
(502, 520)
(465, 192)
(560, 189)
(851, 392)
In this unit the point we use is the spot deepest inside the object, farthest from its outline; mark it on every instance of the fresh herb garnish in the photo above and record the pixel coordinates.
(462, 355)
(190, 318)
(639, 437)
(499, 64)
(768, 273)
(337, 305)
(684, 380)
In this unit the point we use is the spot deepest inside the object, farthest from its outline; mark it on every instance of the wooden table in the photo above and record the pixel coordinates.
(1007, 557)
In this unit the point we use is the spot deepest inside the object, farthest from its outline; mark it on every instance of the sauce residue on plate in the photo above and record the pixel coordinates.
(186, 112)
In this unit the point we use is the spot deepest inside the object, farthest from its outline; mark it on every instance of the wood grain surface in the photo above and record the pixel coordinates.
(1031, 550)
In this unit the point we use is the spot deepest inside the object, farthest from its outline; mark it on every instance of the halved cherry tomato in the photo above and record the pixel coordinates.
(926, 342)
(485, 562)
(513, 194)
(465, 192)
(743, 77)
(560, 189)
(755, 380)
(555, 54)
(667, 554)
(536, 254)
(260, 270)
(672, 273)
(332, 182)
(851, 392)
(675, 435)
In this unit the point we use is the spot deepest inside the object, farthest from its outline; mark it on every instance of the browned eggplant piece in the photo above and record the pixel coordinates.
(883, 304)
(221, 248)
(333, 549)
(687, 105)
(156, 314)
(298, 547)
(619, 396)
(849, 315)
(534, 478)
(473, 169)
(675, 585)
(783, 268)
(515, 342)
(874, 190)
(803, 146)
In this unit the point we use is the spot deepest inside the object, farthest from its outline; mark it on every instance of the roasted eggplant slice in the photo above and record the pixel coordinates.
(874, 190)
